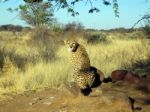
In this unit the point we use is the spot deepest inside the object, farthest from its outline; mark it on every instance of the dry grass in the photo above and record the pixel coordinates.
(117, 54)
(120, 54)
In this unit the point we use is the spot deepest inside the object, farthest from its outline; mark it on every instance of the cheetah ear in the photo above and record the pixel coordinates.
(70, 40)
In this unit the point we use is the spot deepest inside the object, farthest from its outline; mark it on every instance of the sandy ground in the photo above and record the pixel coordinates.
(108, 97)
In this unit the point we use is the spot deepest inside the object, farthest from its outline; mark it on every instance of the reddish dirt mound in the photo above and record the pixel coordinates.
(142, 83)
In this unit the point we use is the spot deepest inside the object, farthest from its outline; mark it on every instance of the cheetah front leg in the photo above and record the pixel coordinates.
(83, 85)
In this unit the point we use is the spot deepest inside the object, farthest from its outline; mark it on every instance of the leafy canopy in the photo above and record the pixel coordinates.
(69, 5)
(35, 13)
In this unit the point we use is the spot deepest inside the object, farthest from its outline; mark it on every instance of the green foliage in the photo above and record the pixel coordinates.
(9, 27)
(74, 26)
(32, 1)
(4, 0)
(57, 29)
(96, 38)
(69, 5)
(116, 8)
(37, 14)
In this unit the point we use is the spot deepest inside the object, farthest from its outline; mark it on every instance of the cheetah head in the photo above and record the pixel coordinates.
(72, 45)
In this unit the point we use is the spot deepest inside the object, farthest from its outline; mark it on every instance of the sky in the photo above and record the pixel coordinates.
(130, 12)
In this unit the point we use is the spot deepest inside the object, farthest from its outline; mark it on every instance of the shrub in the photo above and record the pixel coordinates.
(96, 38)
(146, 28)
(74, 26)
(10, 27)
(135, 35)
(45, 42)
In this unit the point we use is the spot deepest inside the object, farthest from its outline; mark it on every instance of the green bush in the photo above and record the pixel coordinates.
(96, 38)
(74, 26)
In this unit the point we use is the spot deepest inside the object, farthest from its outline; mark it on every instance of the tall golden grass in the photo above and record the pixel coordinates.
(117, 54)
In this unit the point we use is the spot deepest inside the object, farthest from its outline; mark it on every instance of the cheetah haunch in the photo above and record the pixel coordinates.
(85, 75)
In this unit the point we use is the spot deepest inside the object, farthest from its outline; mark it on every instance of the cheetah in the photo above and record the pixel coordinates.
(78, 55)
(85, 75)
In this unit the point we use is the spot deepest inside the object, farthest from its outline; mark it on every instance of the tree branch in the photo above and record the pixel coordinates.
(144, 17)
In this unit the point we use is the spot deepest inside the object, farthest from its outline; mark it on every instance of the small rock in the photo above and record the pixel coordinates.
(52, 97)
(47, 103)
(37, 99)
(32, 103)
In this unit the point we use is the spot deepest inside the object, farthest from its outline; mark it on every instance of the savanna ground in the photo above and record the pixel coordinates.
(33, 60)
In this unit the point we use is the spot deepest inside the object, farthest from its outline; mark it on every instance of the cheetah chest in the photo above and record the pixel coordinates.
(79, 60)
(84, 79)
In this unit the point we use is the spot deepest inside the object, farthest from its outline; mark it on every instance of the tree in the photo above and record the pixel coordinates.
(69, 5)
(146, 19)
(37, 14)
